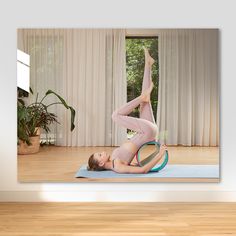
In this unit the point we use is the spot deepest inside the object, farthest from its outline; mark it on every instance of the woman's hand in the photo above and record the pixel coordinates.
(163, 148)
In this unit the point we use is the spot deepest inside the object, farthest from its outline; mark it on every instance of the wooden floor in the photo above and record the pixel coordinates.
(117, 219)
(59, 164)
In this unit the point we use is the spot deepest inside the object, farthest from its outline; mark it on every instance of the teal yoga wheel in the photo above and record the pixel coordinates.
(157, 167)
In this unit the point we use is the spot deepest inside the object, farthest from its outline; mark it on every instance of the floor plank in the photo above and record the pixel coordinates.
(141, 218)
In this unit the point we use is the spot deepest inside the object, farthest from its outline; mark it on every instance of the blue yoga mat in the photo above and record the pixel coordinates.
(170, 171)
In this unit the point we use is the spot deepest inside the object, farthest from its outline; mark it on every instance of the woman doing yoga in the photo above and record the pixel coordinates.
(145, 127)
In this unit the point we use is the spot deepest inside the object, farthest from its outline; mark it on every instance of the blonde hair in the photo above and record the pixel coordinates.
(93, 164)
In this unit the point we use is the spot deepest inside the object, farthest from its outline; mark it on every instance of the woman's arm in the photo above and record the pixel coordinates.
(121, 168)
(126, 169)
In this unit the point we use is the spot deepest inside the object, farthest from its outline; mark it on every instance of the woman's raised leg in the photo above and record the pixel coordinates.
(146, 111)
(120, 115)
(144, 124)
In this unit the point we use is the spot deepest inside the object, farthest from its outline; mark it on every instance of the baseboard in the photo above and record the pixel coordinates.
(115, 196)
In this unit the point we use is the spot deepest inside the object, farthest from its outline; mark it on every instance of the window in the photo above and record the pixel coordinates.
(135, 62)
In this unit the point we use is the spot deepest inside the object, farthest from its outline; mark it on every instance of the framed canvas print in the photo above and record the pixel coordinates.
(118, 105)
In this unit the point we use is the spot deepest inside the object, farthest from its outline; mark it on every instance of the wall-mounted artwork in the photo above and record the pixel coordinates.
(118, 105)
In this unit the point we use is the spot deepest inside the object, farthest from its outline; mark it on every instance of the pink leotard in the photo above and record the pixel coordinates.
(123, 154)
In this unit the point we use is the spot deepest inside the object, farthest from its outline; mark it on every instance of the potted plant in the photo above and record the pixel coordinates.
(33, 117)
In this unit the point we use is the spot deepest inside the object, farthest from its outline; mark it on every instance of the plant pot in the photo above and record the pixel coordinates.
(23, 148)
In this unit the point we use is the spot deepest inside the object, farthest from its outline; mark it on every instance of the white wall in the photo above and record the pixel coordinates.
(116, 14)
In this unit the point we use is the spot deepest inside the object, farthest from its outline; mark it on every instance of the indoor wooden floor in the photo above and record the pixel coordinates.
(117, 219)
(59, 164)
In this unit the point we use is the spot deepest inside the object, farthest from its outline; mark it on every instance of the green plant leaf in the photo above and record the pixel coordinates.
(63, 102)
(59, 97)
(21, 101)
(31, 91)
(72, 118)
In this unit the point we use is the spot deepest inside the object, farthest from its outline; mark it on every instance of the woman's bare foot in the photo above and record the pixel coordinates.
(145, 96)
(148, 58)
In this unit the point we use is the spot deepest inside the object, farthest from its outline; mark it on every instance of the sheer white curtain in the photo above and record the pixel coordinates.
(87, 68)
(188, 100)
(116, 86)
(45, 47)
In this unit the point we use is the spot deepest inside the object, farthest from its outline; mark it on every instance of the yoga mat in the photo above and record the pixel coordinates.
(170, 171)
